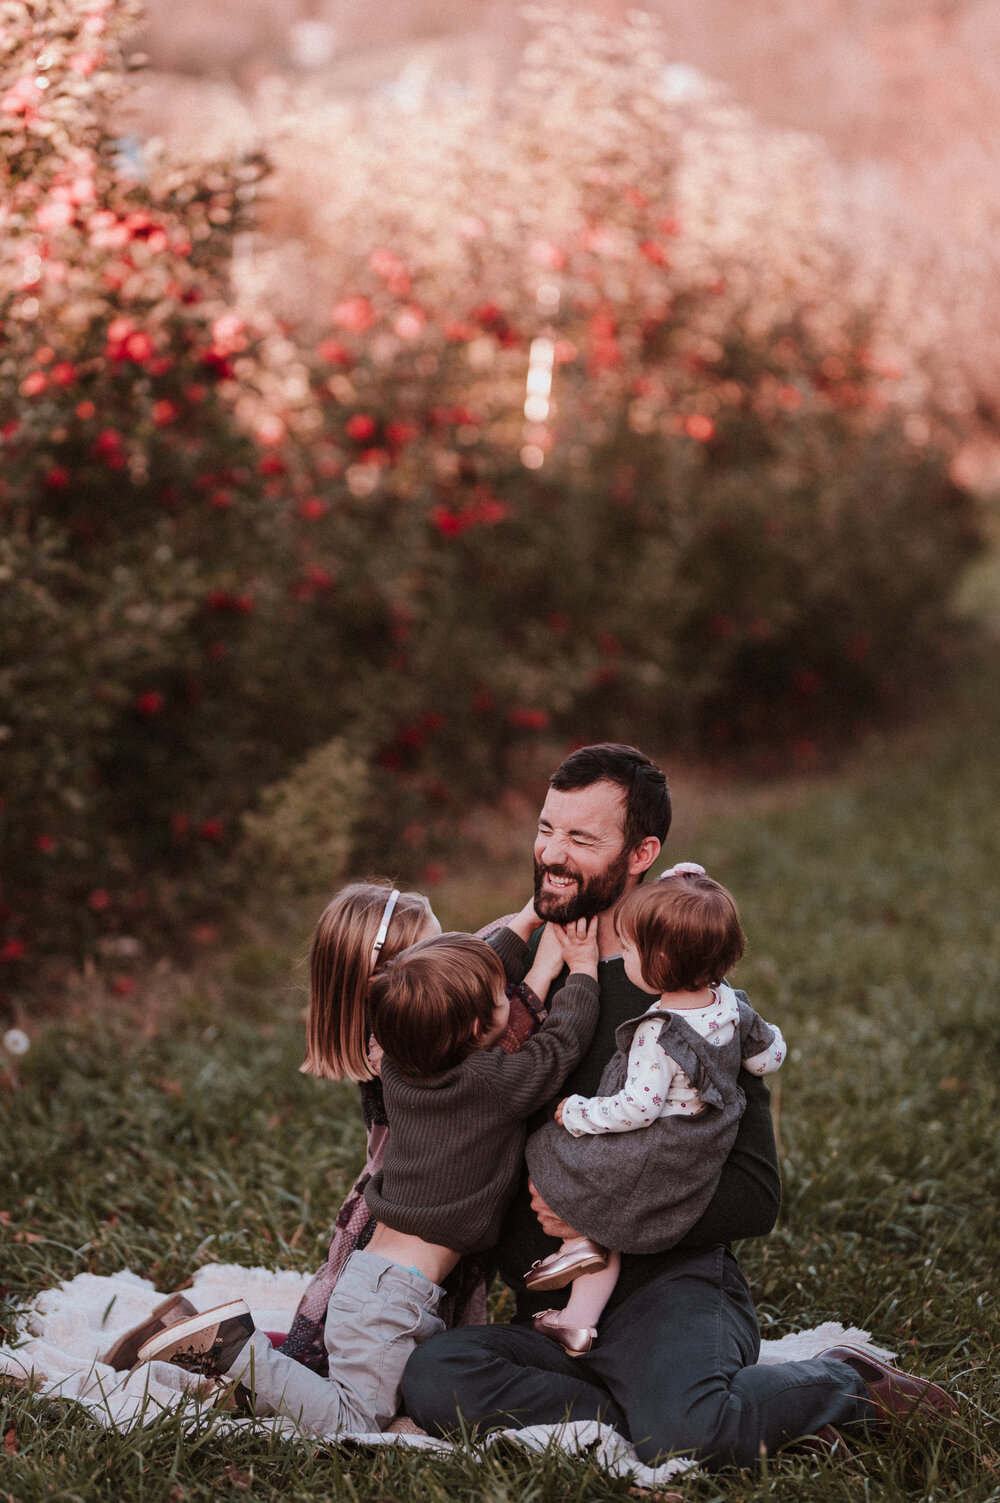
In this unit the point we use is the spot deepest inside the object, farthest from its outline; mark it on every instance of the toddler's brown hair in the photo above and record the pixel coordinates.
(686, 928)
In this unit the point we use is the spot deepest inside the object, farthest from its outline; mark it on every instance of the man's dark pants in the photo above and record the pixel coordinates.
(673, 1370)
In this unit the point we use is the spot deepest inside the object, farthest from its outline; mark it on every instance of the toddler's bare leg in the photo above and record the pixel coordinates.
(590, 1293)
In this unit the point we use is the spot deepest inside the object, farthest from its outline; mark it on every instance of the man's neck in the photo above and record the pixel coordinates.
(608, 943)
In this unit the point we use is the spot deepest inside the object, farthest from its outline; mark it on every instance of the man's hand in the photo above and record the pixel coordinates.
(578, 944)
(558, 1113)
(550, 1223)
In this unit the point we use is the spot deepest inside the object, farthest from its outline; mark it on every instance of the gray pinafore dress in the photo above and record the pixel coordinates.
(663, 1175)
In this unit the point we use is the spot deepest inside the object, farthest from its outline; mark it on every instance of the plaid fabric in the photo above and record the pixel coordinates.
(465, 1287)
(352, 1229)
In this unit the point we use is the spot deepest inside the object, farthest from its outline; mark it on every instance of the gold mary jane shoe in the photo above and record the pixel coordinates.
(575, 1341)
(562, 1267)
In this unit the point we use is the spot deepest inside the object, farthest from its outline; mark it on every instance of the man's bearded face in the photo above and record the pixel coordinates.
(583, 896)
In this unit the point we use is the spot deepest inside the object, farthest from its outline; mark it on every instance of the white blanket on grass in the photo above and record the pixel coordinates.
(62, 1333)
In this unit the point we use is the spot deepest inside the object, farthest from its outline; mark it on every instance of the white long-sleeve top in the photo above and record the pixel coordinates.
(655, 1085)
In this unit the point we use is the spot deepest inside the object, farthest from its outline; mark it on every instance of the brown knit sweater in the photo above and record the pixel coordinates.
(456, 1139)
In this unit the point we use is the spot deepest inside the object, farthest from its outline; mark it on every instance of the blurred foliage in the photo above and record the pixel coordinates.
(299, 840)
(564, 463)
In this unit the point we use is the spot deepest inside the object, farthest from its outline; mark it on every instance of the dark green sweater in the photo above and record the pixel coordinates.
(744, 1205)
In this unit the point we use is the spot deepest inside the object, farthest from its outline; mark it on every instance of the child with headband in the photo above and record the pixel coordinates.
(675, 1076)
(457, 1104)
(361, 928)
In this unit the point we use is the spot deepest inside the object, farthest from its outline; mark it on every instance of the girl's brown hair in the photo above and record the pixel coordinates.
(429, 1006)
(338, 1023)
(687, 931)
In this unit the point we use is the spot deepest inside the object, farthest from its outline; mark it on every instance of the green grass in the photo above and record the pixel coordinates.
(873, 910)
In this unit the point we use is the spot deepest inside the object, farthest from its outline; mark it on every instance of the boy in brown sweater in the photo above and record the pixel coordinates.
(458, 1109)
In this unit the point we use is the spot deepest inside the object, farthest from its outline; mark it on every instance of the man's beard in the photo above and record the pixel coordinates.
(591, 896)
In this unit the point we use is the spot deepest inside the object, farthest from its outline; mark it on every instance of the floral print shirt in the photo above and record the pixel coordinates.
(655, 1085)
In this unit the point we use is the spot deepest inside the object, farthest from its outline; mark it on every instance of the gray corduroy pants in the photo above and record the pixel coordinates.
(378, 1313)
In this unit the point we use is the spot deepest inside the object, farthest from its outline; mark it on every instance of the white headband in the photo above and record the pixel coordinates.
(683, 869)
(383, 929)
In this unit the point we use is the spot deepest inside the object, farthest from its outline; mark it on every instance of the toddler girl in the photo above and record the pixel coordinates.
(675, 1075)
(456, 1104)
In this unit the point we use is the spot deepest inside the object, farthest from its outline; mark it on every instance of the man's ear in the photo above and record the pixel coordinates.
(644, 855)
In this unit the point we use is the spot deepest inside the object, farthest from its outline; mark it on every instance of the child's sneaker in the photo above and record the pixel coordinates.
(566, 1264)
(125, 1352)
(207, 1344)
(575, 1341)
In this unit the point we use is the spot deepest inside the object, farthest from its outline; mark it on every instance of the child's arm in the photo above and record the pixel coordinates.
(531, 1077)
(547, 964)
(640, 1100)
(578, 943)
(761, 1046)
(511, 944)
(768, 1059)
(525, 923)
(563, 946)
(557, 948)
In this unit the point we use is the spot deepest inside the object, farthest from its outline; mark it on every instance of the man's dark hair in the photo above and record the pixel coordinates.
(647, 797)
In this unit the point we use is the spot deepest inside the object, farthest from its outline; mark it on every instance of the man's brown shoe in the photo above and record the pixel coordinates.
(895, 1394)
(125, 1352)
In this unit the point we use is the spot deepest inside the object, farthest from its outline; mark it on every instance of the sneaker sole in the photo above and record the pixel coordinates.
(191, 1327)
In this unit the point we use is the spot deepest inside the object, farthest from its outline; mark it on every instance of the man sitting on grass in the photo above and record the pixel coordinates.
(675, 1369)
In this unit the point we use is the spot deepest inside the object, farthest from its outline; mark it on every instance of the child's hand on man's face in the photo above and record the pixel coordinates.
(527, 921)
(578, 944)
